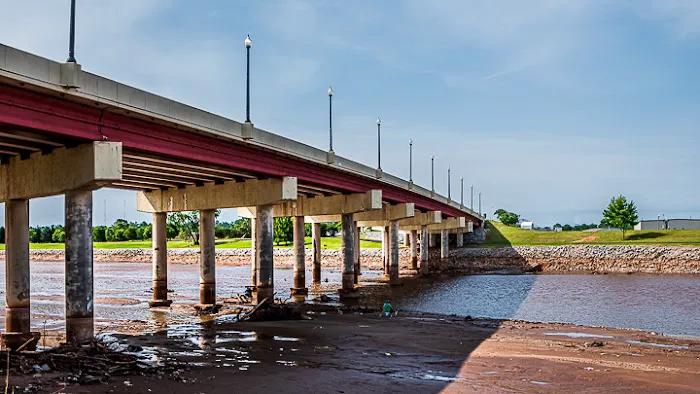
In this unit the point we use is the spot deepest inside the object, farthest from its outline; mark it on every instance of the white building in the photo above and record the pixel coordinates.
(668, 224)
(527, 225)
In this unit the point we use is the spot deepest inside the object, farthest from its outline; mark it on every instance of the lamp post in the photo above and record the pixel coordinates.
(410, 161)
(379, 144)
(248, 44)
(461, 193)
(480, 204)
(449, 196)
(71, 39)
(658, 222)
(432, 174)
(471, 199)
(330, 118)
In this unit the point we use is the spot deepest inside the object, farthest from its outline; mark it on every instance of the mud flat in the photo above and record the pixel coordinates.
(360, 353)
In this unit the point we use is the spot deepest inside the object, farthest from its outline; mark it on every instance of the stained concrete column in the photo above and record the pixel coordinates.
(78, 270)
(264, 247)
(432, 241)
(253, 255)
(17, 316)
(460, 238)
(299, 258)
(424, 252)
(414, 249)
(160, 260)
(444, 244)
(316, 252)
(357, 254)
(348, 252)
(385, 250)
(394, 252)
(207, 257)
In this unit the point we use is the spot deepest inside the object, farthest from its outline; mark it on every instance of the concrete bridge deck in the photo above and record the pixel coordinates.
(67, 131)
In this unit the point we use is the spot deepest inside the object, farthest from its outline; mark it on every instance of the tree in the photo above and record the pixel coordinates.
(620, 214)
(507, 218)
(187, 224)
(242, 228)
(283, 230)
(99, 233)
(59, 235)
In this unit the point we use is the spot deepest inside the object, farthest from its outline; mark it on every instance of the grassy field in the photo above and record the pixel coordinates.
(326, 243)
(501, 235)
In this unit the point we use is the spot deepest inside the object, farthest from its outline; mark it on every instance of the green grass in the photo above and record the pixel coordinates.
(326, 243)
(501, 235)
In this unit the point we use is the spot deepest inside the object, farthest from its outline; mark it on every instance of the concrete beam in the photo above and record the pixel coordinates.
(446, 224)
(379, 217)
(423, 219)
(86, 167)
(320, 206)
(213, 196)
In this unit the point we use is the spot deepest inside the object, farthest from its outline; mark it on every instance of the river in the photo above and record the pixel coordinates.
(668, 305)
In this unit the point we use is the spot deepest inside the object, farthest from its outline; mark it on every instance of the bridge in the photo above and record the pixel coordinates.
(67, 131)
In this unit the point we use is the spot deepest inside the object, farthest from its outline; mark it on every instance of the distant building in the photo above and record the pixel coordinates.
(668, 224)
(527, 225)
(558, 229)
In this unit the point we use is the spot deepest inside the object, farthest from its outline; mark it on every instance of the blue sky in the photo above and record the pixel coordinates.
(548, 107)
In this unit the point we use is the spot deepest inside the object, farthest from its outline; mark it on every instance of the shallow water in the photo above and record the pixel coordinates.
(664, 304)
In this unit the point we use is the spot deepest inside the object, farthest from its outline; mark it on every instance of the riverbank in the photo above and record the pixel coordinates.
(584, 259)
(360, 353)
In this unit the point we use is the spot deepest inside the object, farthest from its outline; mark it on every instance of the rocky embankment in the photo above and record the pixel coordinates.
(570, 258)
(578, 258)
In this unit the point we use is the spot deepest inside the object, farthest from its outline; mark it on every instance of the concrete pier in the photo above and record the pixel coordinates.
(17, 316)
(444, 244)
(385, 250)
(357, 254)
(348, 252)
(264, 245)
(299, 258)
(394, 252)
(414, 249)
(424, 252)
(207, 257)
(316, 252)
(160, 261)
(460, 238)
(253, 256)
(432, 240)
(79, 270)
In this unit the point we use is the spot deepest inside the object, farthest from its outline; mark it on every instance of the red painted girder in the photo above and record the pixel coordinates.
(62, 118)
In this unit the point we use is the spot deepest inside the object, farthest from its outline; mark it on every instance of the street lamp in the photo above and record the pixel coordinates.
(480, 204)
(71, 41)
(330, 118)
(432, 174)
(379, 144)
(461, 193)
(410, 160)
(449, 196)
(471, 199)
(248, 44)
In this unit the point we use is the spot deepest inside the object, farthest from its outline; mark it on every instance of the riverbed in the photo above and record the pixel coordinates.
(668, 305)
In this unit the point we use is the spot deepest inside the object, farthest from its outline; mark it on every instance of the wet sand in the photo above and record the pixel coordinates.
(353, 353)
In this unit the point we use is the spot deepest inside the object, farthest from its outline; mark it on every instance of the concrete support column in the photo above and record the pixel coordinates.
(78, 270)
(385, 250)
(414, 249)
(424, 252)
(444, 244)
(432, 241)
(207, 257)
(264, 247)
(394, 252)
(253, 255)
(460, 238)
(316, 252)
(357, 254)
(348, 252)
(160, 261)
(17, 316)
(299, 258)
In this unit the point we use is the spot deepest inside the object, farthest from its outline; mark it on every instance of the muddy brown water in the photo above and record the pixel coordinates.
(665, 304)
